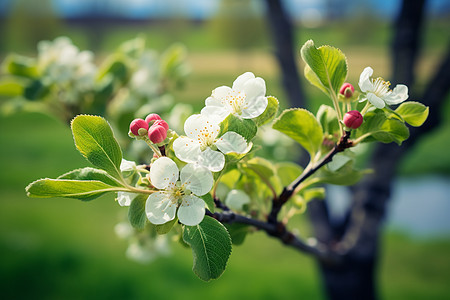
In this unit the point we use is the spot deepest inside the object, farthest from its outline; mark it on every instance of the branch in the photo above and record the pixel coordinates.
(280, 232)
(287, 192)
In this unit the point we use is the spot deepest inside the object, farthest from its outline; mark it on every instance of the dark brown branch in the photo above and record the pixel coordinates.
(280, 232)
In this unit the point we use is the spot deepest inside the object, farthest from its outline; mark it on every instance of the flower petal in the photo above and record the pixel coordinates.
(398, 95)
(236, 199)
(254, 107)
(197, 179)
(160, 208)
(365, 83)
(376, 101)
(221, 92)
(197, 125)
(191, 211)
(127, 165)
(212, 160)
(254, 88)
(125, 198)
(218, 113)
(231, 142)
(238, 84)
(186, 149)
(164, 173)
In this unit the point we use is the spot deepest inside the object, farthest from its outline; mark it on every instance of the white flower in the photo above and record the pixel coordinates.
(245, 99)
(125, 198)
(202, 134)
(378, 92)
(194, 181)
(236, 199)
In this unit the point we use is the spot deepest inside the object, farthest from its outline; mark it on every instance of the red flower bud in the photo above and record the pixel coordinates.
(161, 123)
(157, 134)
(353, 119)
(152, 117)
(347, 90)
(137, 125)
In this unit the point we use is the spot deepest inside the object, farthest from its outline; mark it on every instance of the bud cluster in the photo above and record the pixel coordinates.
(152, 127)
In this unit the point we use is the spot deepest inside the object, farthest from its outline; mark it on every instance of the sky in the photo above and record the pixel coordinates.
(200, 9)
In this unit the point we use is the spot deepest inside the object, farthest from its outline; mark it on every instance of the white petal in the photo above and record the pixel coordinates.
(213, 102)
(221, 92)
(255, 88)
(238, 84)
(125, 198)
(376, 101)
(212, 160)
(231, 142)
(218, 113)
(197, 179)
(197, 125)
(364, 80)
(191, 211)
(164, 173)
(236, 199)
(160, 208)
(398, 95)
(254, 107)
(127, 165)
(186, 149)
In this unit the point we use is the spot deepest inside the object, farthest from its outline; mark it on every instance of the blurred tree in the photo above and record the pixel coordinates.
(349, 272)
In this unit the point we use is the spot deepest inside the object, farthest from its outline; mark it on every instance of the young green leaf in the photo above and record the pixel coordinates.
(10, 87)
(326, 67)
(378, 126)
(21, 66)
(301, 125)
(245, 127)
(414, 113)
(95, 140)
(79, 189)
(90, 174)
(166, 227)
(136, 212)
(209, 202)
(269, 113)
(327, 117)
(211, 247)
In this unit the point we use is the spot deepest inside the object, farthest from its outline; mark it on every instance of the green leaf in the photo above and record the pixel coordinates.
(136, 212)
(36, 90)
(211, 247)
(10, 87)
(327, 117)
(238, 232)
(270, 112)
(90, 174)
(209, 202)
(346, 175)
(21, 66)
(326, 67)
(378, 126)
(95, 140)
(414, 113)
(301, 125)
(115, 66)
(79, 189)
(166, 227)
(260, 166)
(245, 127)
(287, 172)
(313, 193)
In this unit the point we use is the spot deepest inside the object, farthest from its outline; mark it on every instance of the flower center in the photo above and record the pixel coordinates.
(381, 87)
(206, 136)
(235, 101)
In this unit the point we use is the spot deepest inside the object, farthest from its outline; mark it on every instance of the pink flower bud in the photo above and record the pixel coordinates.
(161, 123)
(353, 119)
(157, 134)
(152, 118)
(347, 90)
(139, 127)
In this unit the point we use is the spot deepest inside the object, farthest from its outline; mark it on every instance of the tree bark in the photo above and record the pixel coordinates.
(283, 39)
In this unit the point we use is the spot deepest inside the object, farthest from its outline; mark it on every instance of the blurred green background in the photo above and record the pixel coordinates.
(67, 249)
